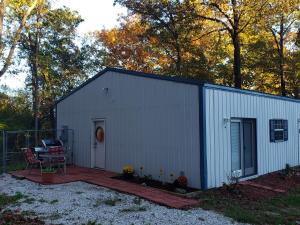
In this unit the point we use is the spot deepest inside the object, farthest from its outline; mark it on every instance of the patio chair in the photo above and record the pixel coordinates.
(61, 161)
(31, 159)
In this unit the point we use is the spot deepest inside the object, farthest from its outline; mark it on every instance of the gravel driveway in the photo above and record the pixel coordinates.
(78, 203)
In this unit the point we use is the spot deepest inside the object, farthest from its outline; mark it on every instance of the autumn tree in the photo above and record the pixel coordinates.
(129, 47)
(171, 28)
(282, 20)
(233, 17)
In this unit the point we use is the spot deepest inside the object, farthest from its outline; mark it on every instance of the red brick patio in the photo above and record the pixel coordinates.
(104, 179)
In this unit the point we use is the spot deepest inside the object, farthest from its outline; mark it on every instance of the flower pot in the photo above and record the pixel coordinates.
(48, 177)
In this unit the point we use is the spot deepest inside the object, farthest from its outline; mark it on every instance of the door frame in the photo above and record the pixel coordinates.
(240, 121)
(254, 144)
(298, 134)
(242, 159)
(92, 141)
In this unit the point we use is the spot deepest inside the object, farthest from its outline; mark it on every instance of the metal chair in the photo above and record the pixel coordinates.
(31, 159)
(60, 161)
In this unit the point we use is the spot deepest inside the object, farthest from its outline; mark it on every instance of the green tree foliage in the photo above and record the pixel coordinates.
(55, 62)
(15, 110)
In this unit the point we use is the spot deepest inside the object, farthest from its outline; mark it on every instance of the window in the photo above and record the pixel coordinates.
(278, 130)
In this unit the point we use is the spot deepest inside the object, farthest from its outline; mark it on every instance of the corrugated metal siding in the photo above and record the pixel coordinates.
(271, 157)
(150, 123)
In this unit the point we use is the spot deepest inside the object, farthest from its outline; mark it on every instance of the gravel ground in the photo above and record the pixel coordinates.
(79, 202)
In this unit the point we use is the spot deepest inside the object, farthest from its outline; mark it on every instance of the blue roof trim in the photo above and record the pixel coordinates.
(249, 92)
(177, 79)
(202, 139)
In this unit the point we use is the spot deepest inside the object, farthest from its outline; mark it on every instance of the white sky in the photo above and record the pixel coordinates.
(97, 14)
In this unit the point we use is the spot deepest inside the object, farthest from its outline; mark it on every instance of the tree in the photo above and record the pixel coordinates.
(15, 111)
(281, 21)
(233, 17)
(170, 29)
(55, 61)
(8, 43)
(129, 46)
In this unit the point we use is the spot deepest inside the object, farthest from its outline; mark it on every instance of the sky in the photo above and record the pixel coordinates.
(97, 14)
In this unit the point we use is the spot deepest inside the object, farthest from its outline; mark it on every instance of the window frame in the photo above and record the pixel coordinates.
(278, 125)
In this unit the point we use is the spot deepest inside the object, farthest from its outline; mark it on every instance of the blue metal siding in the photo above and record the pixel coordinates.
(202, 132)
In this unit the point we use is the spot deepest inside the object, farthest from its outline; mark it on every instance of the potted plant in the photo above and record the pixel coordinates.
(48, 175)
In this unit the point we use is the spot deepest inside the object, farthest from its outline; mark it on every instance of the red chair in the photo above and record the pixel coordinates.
(31, 160)
(59, 161)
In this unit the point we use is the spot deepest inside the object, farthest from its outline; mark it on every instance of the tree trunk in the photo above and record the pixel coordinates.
(2, 12)
(53, 117)
(15, 39)
(34, 51)
(237, 47)
(281, 72)
(281, 58)
(178, 54)
(178, 61)
(35, 91)
(237, 61)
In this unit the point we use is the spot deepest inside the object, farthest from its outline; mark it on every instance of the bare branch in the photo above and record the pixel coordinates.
(217, 21)
(2, 12)
(208, 33)
(289, 26)
(222, 12)
(275, 39)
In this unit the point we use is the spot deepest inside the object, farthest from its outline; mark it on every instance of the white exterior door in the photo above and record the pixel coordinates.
(99, 144)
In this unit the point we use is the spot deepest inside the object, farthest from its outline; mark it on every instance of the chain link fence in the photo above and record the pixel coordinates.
(11, 157)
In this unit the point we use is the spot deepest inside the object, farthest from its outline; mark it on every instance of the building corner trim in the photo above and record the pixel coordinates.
(202, 134)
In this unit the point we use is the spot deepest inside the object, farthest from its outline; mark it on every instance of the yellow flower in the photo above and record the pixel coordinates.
(128, 169)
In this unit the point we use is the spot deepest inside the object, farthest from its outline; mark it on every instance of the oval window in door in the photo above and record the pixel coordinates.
(99, 134)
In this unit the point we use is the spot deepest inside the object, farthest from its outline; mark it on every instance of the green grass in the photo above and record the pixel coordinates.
(29, 200)
(13, 166)
(134, 209)
(283, 209)
(53, 202)
(137, 201)
(91, 223)
(111, 202)
(6, 200)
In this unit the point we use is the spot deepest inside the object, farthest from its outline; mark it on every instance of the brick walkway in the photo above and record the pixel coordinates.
(103, 178)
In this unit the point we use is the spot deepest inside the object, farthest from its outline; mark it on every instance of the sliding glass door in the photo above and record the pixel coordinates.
(243, 146)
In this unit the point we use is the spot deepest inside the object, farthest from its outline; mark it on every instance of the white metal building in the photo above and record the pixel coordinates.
(168, 125)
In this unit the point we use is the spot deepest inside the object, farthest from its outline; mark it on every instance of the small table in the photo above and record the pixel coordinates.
(51, 157)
